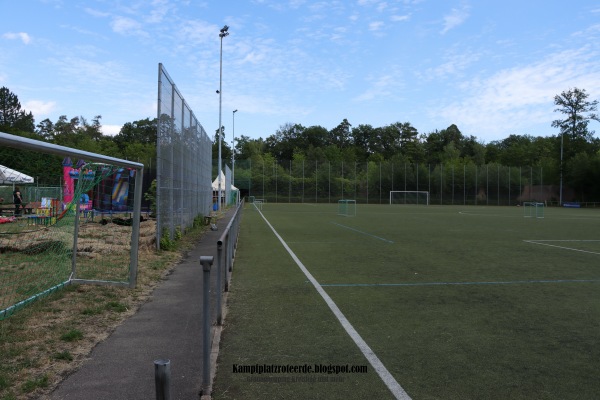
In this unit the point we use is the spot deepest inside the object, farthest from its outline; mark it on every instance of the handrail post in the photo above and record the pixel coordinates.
(162, 379)
(206, 262)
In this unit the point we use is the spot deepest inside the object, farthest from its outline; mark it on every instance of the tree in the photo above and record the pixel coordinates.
(142, 131)
(579, 111)
(363, 138)
(340, 135)
(11, 114)
(287, 138)
(574, 134)
(225, 149)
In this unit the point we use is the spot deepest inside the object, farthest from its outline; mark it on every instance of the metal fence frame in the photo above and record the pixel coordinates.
(23, 143)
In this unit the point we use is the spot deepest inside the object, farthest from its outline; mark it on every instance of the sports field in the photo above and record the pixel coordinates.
(438, 302)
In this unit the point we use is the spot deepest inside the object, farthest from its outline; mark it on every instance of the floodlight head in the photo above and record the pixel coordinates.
(224, 32)
(234, 111)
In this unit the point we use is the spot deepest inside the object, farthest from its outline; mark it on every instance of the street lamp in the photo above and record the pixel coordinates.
(221, 35)
(233, 150)
(560, 200)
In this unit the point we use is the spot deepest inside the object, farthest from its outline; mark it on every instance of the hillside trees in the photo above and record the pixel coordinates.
(12, 117)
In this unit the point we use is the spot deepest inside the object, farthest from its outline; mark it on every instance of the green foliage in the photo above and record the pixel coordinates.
(11, 114)
(63, 355)
(150, 196)
(316, 144)
(4, 383)
(72, 335)
(198, 221)
(116, 306)
(35, 383)
(166, 243)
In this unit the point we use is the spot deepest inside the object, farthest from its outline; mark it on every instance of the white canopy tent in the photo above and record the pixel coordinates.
(226, 189)
(215, 184)
(11, 176)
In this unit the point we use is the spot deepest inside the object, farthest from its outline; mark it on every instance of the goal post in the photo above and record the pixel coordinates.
(347, 208)
(533, 209)
(419, 197)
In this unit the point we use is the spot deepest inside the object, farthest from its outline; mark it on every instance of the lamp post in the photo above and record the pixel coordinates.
(220, 130)
(560, 200)
(233, 150)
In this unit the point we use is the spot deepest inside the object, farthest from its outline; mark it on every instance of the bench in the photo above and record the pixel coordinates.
(11, 210)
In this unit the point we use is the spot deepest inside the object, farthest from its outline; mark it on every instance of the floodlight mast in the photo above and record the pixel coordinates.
(220, 130)
(233, 149)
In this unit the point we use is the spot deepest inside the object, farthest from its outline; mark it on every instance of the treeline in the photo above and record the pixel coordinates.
(573, 149)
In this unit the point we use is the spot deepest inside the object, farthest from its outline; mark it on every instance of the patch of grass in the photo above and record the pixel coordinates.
(116, 306)
(32, 384)
(4, 383)
(63, 355)
(92, 311)
(72, 335)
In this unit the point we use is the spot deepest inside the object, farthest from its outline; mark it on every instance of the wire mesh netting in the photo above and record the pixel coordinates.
(184, 157)
(371, 182)
(63, 220)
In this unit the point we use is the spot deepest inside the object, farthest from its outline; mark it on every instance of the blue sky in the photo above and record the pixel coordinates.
(490, 67)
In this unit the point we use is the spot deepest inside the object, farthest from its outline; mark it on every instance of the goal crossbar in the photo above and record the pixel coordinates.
(409, 197)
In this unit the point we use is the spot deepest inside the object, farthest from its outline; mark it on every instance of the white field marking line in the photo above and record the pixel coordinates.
(363, 233)
(488, 215)
(563, 247)
(384, 374)
(458, 283)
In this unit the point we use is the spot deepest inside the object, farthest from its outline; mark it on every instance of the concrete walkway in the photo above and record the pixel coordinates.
(168, 326)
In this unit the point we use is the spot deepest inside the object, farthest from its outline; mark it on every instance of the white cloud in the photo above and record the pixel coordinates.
(518, 98)
(96, 13)
(456, 18)
(376, 26)
(383, 86)
(24, 37)
(111, 130)
(127, 26)
(400, 18)
(40, 108)
(454, 64)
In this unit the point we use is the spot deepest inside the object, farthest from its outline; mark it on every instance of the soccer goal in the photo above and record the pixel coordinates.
(533, 209)
(347, 208)
(409, 197)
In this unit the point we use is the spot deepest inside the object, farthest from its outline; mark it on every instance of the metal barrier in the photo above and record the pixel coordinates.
(226, 246)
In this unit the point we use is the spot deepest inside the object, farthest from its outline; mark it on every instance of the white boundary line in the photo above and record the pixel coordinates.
(381, 370)
(563, 247)
(362, 233)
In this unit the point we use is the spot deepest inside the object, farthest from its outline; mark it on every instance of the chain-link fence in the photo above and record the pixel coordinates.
(372, 182)
(66, 216)
(184, 158)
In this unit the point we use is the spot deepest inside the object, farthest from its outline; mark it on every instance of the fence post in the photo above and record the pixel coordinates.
(206, 262)
(162, 379)
(220, 280)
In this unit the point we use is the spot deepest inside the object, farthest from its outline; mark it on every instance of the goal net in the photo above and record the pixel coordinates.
(532, 209)
(347, 208)
(409, 197)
